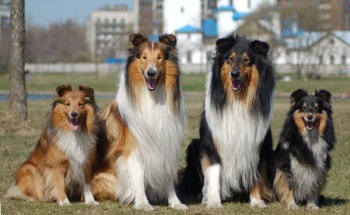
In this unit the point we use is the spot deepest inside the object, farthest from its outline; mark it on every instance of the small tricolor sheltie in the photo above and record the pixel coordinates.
(302, 155)
(144, 127)
(59, 168)
(234, 151)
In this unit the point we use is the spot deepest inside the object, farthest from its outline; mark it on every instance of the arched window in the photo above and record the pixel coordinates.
(343, 59)
(320, 59)
(331, 60)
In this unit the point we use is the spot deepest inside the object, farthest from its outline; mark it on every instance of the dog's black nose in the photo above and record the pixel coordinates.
(235, 73)
(151, 72)
(309, 116)
(74, 114)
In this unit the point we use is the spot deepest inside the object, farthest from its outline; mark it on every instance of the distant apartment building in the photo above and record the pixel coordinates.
(149, 14)
(4, 15)
(333, 14)
(107, 31)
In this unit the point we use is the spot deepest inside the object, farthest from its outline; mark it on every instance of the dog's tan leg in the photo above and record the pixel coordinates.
(282, 190)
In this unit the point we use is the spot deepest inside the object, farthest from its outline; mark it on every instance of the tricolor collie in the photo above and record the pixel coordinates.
(302, 155)
(235, 146)
(59, 168)
(144, 127)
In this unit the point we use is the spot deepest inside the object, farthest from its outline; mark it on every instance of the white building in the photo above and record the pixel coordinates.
(319, 51)
(230, 13)
(179, 13)
(105, 26)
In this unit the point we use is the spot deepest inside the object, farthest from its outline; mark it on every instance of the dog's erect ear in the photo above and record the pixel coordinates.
(169, 39)
(62, 89)
(324, 94)
(137, 39)
(260, 48)
(88, 91)
(224, 44)
(297, 95)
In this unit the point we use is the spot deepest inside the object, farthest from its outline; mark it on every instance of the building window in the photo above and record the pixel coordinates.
(343, 59)
(320, 59)
(331, 41)
(331, 60)
(182, 10)
(189, 56)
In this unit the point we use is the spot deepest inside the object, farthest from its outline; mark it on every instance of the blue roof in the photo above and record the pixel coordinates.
(344, 35)
(209, 28)
(153, 37)
(224, 8)
(239, 15)
(305, 39)
(188, 29)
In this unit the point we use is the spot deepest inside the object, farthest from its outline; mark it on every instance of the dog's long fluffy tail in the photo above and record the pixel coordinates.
(14, 192)
(103, 186)
(189, 178)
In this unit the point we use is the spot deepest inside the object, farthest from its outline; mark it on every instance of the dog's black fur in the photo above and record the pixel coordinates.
(308, 125)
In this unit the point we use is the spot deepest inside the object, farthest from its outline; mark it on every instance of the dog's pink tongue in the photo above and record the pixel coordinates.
(152, 84)
(309, 126)
(73, 126)
(236, 84)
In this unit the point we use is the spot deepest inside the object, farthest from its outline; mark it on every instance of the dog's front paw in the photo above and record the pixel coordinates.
(179, 206)
(92, 202)
(312, 206)
(292, 206)
(214, 205)
(64, 202)
(257, 203)
(143, 206)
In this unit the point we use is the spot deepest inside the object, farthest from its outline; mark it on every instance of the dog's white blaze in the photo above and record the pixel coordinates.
(238, 134)
(77, 147)
(308, 180)
(159, 134)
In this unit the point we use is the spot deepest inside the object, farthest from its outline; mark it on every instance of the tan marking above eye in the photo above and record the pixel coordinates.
(231, 58)
(304, 106)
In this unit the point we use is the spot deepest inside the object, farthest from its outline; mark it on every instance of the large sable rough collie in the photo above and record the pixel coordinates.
(302, 155)
(144, 127)
(235, 145)
(60, 166)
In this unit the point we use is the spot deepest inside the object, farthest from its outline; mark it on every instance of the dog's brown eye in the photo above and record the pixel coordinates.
(80, 105)
(230, 60)
(160, 58)
(68, 104)
(144, 57)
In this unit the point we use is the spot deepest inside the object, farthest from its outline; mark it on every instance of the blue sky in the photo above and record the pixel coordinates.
(44, 12)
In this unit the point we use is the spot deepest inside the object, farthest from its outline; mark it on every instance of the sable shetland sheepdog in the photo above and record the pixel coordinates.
(235, 146)
(144, 128)
(60, 166)
(302, 155)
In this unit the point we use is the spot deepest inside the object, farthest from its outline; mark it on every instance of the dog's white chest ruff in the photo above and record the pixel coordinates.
(308, 179)
(238, 134)
(77, 147)
(159, 134)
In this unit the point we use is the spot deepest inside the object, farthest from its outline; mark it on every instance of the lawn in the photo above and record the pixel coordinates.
(18, 139)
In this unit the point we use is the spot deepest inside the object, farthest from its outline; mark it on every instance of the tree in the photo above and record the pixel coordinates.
(18, 94)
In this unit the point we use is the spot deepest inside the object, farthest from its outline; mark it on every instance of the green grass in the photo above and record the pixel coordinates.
(338, 85)
(17, 140)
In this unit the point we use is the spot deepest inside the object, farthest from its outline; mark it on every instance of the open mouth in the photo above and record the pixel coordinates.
(309, 125)
(236, 84)
(74, 124)
(152, 83)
